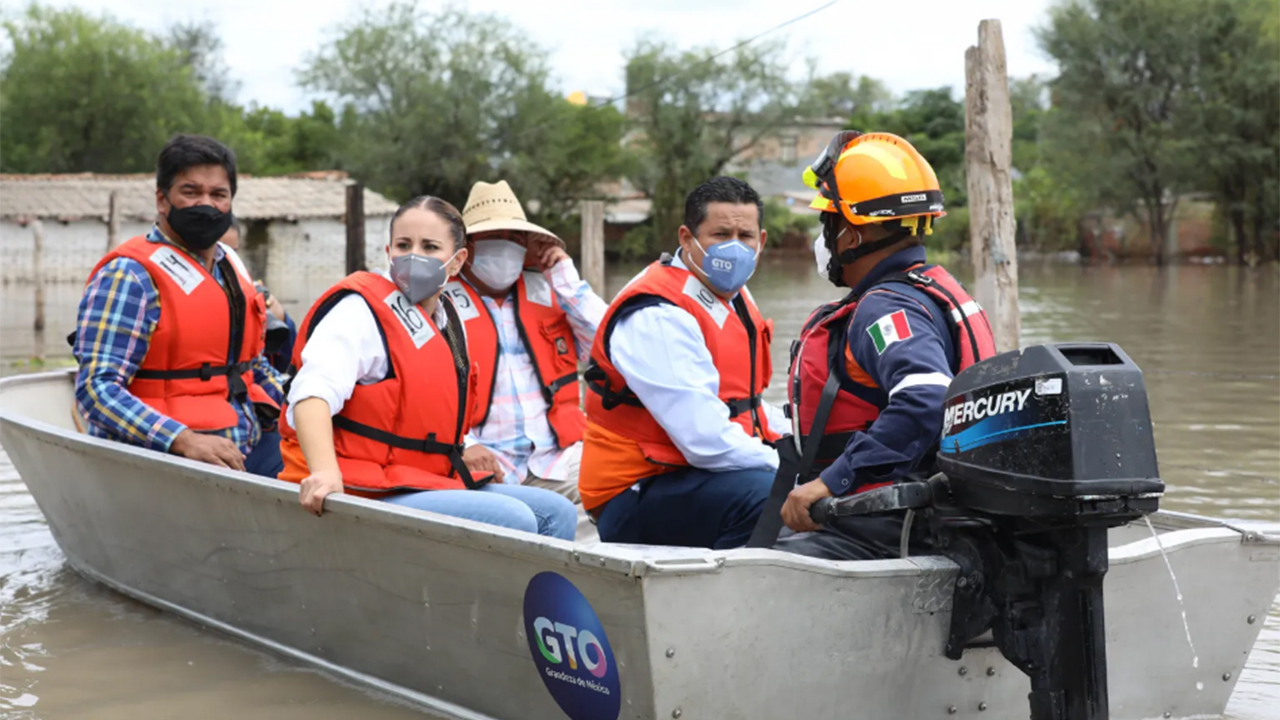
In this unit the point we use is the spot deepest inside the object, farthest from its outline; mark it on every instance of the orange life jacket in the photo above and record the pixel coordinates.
(547, 337)
(823, 365)
(199, 355)
(623, 443)
(405, 431)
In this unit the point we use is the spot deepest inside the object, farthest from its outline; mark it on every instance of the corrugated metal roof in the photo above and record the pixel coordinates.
(69, 197)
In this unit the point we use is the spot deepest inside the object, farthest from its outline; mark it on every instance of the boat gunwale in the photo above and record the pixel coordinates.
(609, 558)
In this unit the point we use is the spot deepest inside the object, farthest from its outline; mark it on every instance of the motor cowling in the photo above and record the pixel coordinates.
(1043, 450)
(1059, 430)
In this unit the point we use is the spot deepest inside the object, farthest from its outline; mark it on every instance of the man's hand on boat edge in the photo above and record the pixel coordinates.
(210, 449)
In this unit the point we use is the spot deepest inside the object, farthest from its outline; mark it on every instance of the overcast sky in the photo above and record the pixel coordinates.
(909, 45)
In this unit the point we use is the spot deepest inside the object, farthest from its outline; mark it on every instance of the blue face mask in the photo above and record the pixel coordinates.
(729, 265)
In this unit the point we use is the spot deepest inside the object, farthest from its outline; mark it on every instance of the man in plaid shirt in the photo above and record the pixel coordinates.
(530, 319)
(159, 308)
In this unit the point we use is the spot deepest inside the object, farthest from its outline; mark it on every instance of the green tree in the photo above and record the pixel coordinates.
(201, 48)
(436, 101)
(81, 93)
(1126, 94)
(269, 142)
(693, 112)
(845, 95)
(1238, 101)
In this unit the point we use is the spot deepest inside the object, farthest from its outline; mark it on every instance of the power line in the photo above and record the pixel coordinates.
(718, 55)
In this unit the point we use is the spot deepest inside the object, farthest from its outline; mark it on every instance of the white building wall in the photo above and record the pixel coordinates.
(71, 249)
(305, 258)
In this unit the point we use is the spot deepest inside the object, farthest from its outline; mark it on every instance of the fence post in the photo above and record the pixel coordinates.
(988, 135)
(37, 270)
(593, 244)
(355, 227)
(113, 220)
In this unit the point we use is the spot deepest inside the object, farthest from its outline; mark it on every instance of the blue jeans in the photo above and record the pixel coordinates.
(265, 458)
(690, 507)
(530, 509)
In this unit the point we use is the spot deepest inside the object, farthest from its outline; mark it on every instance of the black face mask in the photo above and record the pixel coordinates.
(199, 226)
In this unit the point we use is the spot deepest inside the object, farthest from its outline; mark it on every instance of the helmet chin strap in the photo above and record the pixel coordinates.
(835, 266)
(863, 249)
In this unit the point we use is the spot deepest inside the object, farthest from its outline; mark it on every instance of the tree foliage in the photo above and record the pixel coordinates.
(441, 100)
(1146, 84)
(79, 93)
(693, 112)
(1155, 100)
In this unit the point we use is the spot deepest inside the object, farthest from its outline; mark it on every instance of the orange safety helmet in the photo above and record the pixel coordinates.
(876, 178)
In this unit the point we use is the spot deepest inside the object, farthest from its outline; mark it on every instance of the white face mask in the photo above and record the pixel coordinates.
(821, 254)
(498, 263)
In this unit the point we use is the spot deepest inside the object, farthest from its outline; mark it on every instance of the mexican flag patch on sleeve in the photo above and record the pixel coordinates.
(888, 330)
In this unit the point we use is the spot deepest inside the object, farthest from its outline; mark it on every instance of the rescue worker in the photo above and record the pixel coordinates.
(530, 319)
(677, 446)
(169, 334)
(384, 393)
(871, 370)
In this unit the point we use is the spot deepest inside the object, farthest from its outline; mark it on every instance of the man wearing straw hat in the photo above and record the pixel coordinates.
(530, 319)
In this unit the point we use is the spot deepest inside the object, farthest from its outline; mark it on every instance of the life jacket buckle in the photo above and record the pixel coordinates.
(919, 278)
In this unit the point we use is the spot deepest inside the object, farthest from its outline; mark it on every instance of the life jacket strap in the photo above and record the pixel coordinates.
(428, 445)
(925, 283)
(555, 385)
(205, 372)
(598, 383)
(744, 405)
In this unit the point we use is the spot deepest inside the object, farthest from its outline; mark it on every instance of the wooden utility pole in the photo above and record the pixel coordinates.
(593, 244)
(355, 228)
(988, 139)
(37, 271)
(113, 221)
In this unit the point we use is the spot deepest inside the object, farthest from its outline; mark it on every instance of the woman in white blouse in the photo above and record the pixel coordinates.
(384, 393)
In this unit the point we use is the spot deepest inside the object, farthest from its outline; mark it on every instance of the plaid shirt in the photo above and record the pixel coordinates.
(117, 315)
(517, 431)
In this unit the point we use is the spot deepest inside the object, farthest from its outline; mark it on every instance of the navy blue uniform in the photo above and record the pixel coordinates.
(913, 369)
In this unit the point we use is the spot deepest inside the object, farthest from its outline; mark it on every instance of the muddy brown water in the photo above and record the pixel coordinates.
(1207, 338)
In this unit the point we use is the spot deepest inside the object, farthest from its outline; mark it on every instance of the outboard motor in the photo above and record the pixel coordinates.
(1042, 451)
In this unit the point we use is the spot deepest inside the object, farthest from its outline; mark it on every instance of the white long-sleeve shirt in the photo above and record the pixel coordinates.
(345, 349)
(661, 353)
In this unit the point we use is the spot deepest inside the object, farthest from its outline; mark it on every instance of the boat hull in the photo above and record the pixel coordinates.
(432, 608)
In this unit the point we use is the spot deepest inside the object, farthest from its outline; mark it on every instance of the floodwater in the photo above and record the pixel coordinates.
(1207, 338)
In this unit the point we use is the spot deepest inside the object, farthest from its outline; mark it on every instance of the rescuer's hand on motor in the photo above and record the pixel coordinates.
(211, 449)
(316, 487)
(546, 252)
(479, 459)
(795, 511)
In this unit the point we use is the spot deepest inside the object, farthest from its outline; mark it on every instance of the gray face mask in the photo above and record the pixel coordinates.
(419, 277)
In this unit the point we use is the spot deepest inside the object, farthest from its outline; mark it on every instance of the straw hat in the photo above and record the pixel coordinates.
(493, 206)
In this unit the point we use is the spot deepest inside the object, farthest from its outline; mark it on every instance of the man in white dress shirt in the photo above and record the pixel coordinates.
(678, 447)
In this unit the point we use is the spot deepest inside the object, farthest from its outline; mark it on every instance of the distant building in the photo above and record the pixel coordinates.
(774, 166)
(294, 233)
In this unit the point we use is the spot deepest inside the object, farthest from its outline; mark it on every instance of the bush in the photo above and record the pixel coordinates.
(787, 228)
